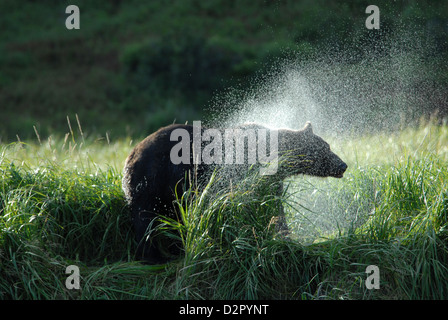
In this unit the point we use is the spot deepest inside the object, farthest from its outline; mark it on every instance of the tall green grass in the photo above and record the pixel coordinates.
(61, 204)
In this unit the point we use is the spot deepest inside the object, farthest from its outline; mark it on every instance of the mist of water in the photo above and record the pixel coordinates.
(383, 86)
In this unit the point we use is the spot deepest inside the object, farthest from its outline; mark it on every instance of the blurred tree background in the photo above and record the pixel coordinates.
(137, 65)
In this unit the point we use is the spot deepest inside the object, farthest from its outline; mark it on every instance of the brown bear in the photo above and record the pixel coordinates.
(160, 166)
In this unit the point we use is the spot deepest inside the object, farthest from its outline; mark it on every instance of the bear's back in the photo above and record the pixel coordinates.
(148, 166)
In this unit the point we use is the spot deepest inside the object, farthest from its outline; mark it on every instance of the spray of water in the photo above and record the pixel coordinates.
(382, 86)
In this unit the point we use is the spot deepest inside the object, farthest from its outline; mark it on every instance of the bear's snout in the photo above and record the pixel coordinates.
(340, 170)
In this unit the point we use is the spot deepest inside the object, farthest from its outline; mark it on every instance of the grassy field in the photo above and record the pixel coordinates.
(61, 204)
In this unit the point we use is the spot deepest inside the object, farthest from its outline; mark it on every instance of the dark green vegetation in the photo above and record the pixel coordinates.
(136, 65)
(390, 210)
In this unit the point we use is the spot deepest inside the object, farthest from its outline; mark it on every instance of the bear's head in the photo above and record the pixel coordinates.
(304, 152)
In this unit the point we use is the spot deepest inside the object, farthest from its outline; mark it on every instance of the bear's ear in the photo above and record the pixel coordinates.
(308, 128)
